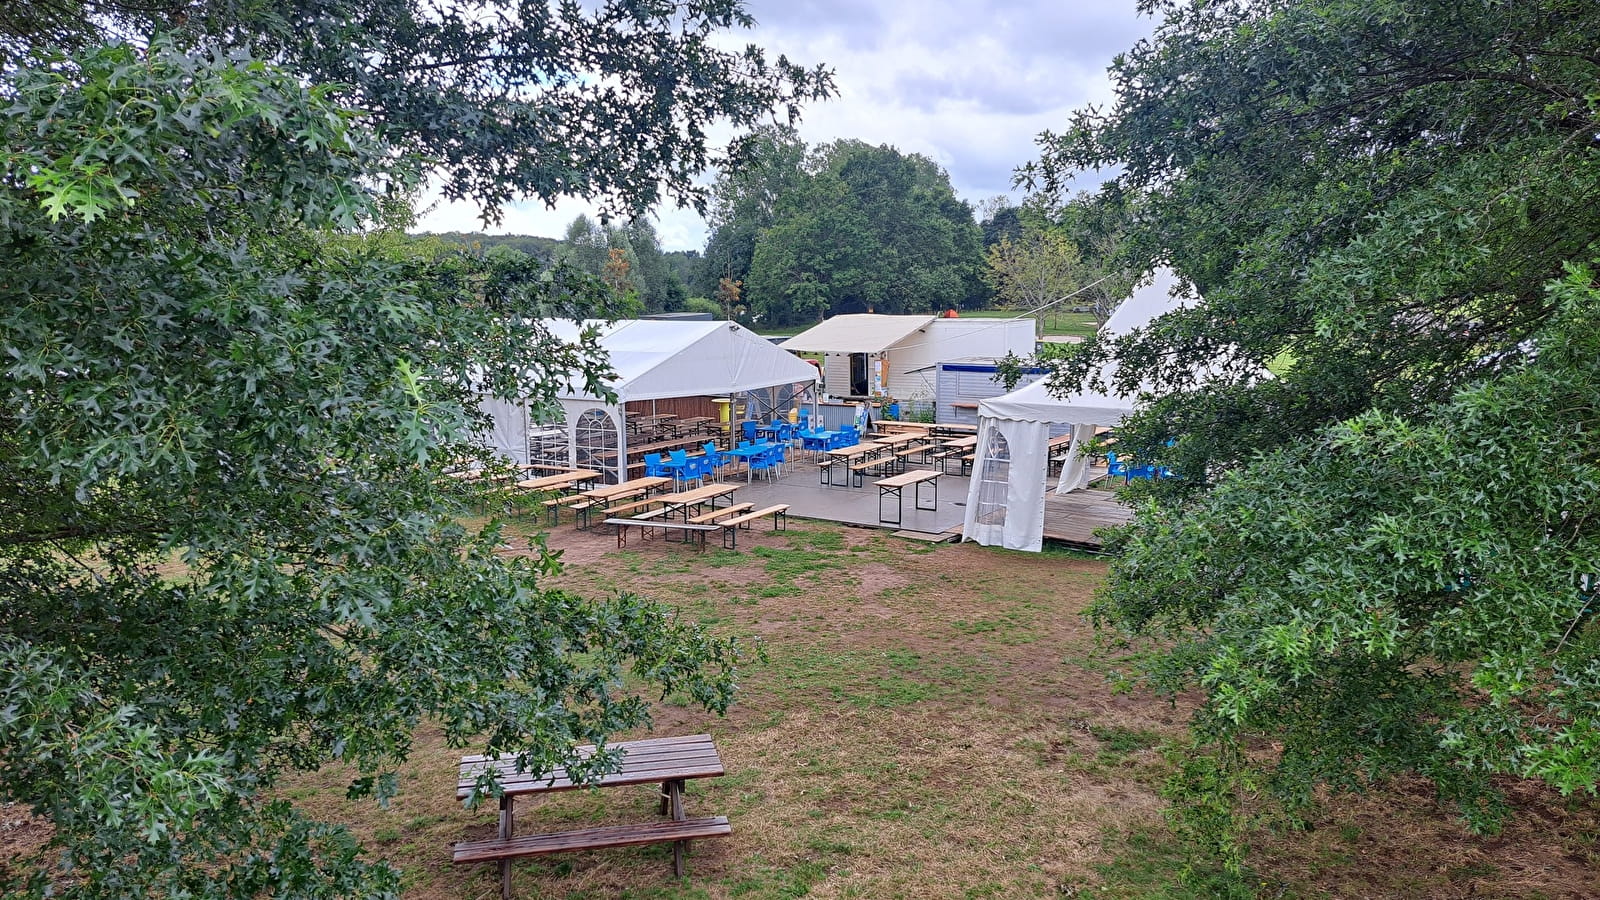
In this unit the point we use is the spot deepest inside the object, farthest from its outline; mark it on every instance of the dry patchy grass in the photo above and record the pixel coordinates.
(930, 722)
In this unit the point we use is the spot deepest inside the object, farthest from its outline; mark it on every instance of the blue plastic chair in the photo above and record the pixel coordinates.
(653, 466)
(805, 418)
(680, 467)
(710, 461)
(748, 429)
(1114, 467)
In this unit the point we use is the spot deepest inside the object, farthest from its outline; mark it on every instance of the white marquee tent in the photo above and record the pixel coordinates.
(1005, 501)
(653, 360)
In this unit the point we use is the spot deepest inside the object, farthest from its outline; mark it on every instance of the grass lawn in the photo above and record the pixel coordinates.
(1057, 323)
(930, 722)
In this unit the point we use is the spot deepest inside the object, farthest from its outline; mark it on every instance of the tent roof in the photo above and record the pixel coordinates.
(657, 359)
(856, 334)
(1034, 402)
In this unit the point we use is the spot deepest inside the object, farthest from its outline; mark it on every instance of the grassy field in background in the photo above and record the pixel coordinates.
(929, 721)
(1057, 324)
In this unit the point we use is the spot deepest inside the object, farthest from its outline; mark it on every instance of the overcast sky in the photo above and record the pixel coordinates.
(965, 83)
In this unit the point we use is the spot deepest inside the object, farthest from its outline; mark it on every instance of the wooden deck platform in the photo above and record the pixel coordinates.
(1074, 517)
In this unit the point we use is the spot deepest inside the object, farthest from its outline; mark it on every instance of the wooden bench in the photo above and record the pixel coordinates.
(895, 485)
(825, 471)
(859, 470)
(622, 509)
(715, 514)
(692, 533)
(913, 450)
(667, 761)
(600, 838)
(730, 527)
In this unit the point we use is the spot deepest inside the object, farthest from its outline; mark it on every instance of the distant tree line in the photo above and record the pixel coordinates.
(840, 228)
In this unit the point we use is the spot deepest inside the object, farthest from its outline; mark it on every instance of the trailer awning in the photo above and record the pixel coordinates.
(857, 334)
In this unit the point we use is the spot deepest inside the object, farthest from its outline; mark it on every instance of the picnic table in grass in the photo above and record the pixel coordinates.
(895, 485)
(585, 502)
(669, 761)
(656, 512)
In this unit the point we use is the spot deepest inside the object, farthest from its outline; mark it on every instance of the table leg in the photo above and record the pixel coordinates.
(674, 801)
(505, 835)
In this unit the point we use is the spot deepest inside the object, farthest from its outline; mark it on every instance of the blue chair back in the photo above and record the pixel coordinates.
(679, 457)
(653, 467)
(748, 429)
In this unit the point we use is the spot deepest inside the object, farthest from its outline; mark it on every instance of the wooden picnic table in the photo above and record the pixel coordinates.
(694, 497)
(635, 485)
(687, 501)
(558, 481)
(846, 455)
(894, 486)
(903, 437)
(913, 427)
(669, 761)
(962, 443)
(548, 467)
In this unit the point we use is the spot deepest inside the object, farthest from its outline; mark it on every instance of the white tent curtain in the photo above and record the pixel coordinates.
(1004, 504)
(508, 434)
(1031, 410)
(1075, 470)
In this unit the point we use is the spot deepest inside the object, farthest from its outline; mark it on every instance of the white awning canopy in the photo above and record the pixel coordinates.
(857, 334)
(656, 359)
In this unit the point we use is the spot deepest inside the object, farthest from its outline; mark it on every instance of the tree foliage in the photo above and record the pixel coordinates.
(744, 203)
(232, 392)
(1041, 267)
(611, 101)
(867, 228)
(1382, 558)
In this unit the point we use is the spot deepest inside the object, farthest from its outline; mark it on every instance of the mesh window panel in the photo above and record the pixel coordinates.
(597, 443)
(994, 480)
(547, 438)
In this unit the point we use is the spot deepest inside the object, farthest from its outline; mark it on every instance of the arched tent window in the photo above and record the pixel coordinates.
(596, 436)
(994, 481)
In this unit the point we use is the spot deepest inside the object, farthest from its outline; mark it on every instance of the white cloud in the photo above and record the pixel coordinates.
(967, 84)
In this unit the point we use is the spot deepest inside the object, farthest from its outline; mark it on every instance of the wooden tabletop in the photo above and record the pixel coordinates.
(698, 495)
(904, 437)
(905, 478)
(564, 479)
(962, 443)
(855, 450)
(643, 762)
(606, 492)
